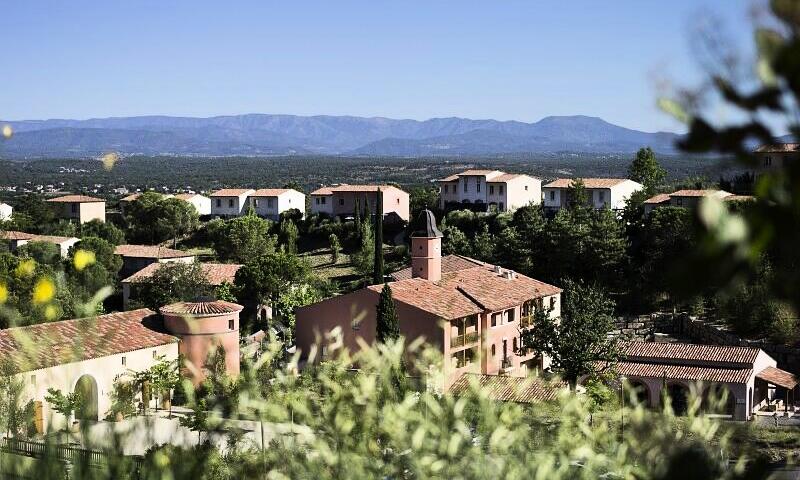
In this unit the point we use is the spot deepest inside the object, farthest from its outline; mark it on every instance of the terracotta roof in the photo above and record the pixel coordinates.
(684, 372)
(779, 148)
(656, 199)
(480, 173)
(467, 287)
(52, 239)
(508, 389)
(700, 193)
(352, 188)
(149, 251)
(216, 273)
(587, 182)
(130, 198)
(187, 196)
(688, 352)
(201, 309)
(778, 377)
(15, 235)
(443, 302)
(270, 192)
(56, 343)
(504, 177)
(739, 198)
(75, 198)
(451, 178)
(231, 192)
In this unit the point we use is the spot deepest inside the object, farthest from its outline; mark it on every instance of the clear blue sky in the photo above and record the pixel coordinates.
(506, 59)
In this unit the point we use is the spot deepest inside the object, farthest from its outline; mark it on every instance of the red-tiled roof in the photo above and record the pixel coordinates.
(684, 372)
(467, 287)
(131, 198)
(187, 196)
(50, 344)
(506, 177)
(149, 251)
(479, 173)
(75, 199)
(231, 192)
(699, 193)
(352, 188)
(270, 192)
(53, 239)
(779, 377)
(508, 389)
(216, 273)
(656, 199)
(15, 235)
(779, 148)
(688, 352)
(450, 263)
(451, 178)
(201, 309)
(587, 182)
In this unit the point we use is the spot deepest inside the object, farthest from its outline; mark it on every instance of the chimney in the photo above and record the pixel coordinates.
(426, 249)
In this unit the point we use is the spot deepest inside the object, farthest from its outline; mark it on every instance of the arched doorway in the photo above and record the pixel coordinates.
(640, 392)
(678, 398)
(718, 399)
(86, 387)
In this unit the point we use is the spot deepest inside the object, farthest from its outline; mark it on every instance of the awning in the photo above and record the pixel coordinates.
(778, 377)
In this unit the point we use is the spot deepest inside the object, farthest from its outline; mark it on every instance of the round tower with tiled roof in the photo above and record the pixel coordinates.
(426, 248)
(202, 326)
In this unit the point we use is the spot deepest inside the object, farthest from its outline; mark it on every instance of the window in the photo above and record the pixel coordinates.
(514, 345)
(510, 315)
(230, 203)
(255, 203)
(465, 185)
(356, 324)
(341, 201)
(269, 203)
(323, 200)
(219, 203)
(446, 188)
(767, 161)
(494, 350)
(124, 361)
(495, 319)
(491, 189)
(526, 188)
(502, 207)
(680, 201)
(552, 195)
(398, 201)
(155, 353)
(601, 195)
(552, 302)
(501, 189)
(463, 358)
(478, 186)
(74, 207)
(230, 324)
(33, 380)
(317, 200)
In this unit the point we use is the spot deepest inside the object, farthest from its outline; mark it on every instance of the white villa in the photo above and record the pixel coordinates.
(271, 202)
(5, 211)
(230, 202)
(492, 190)
(610, 193)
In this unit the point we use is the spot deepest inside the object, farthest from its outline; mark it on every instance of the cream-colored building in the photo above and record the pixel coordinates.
(201, 203)
(612, 193)
(230, 202)
(79, 208)
(17, 239)
(271, 202)
(776, 156)
(491, 190)
(342, 200)
(689, 199)
(6, 211)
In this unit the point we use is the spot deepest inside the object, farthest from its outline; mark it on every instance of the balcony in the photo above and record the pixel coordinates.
(526, 321)
(506, 366)
(465, 339)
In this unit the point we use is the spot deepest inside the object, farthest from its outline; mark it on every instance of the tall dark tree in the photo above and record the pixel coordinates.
(646, 170)
(387, 326)
(357, 216)
(378, 268)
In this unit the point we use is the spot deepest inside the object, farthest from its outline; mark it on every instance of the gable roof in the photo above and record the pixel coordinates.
(57, 343)
(231, 192)
(779, 377)
(75, 199)
(187, 196)
(587, 182)
(684, 372)
(270, 192)
(16, 235)
(353, 188)
(688, 353)
(656, 199)
(450, 263)
(778, 148)
(215, 273)
(507, 388)
(447, 303)
(700, 193)
(149, 251)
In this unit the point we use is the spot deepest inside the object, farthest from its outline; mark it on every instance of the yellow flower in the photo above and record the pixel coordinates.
(43, 291)
(50, 312)
(109, 159)
(83, 258)
(7, 131)
(26, 267)
(3, 293)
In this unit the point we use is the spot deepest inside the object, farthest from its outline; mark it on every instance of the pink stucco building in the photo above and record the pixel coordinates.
(341, 200)
(471, 311)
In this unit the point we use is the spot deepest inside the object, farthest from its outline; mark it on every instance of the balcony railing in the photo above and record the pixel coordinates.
(526, 321)
(466, 339)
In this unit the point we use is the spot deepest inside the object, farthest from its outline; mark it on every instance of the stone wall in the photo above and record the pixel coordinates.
(644, 328)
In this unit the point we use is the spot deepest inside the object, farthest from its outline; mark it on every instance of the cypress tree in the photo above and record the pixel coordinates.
(367, 212)
(387, 326)
(378, 268)
(357, 217)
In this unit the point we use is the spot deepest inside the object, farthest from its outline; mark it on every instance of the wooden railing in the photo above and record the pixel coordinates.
(465, 339)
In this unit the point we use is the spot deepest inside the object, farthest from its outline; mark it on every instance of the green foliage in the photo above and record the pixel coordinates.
(377, 268)
(226, 291)
(364, 259)
(66, 405)
(455, 242)
(45, 253)
(32, 214)
(288, 236)
(387, 324)
(103, 253)
(13, 415)
(123, 396)
(577, 342)
(646, 170)
(104, 230)
(172, 282)
(153, 218)
(242, 239)
(335, 247)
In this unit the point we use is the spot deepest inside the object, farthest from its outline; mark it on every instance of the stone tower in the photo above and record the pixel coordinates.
(426, 249)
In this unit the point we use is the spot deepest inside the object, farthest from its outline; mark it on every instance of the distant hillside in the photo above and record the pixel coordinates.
(260, 134)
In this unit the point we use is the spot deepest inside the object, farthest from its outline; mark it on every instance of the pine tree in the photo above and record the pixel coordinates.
(378, 267)
(387, 325)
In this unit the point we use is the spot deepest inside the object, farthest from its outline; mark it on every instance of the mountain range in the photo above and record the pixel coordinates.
(264, 134)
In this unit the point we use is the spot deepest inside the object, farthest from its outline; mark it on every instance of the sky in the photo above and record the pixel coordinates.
(507, 60)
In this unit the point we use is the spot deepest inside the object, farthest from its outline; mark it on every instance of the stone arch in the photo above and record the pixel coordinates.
(678, 397)
(640, 391)
(86, 385)
(712, 400)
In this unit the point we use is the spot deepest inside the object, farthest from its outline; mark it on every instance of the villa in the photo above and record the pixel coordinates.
(271, 202)
(341, 200)
(17, 239)
(136, 257)
(489, 190)
(79, 208)
(216, 274)
(610, 193)
(689, 199)
(230, 202)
